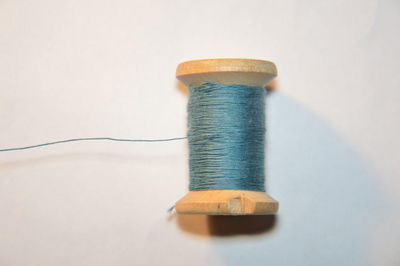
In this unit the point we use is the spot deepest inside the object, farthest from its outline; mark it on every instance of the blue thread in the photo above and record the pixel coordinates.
(86, 139)
(226, 137)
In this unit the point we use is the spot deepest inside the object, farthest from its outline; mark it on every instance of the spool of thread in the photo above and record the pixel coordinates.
(222, 182)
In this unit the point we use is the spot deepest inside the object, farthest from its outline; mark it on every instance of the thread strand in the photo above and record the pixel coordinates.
(89, 139)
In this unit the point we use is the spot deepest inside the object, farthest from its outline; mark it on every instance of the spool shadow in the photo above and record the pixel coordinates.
(241, 225)
(225, 226)
(327, 191)
(326, 186)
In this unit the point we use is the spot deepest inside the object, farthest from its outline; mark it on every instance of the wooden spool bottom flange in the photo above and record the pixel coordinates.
(227, 202)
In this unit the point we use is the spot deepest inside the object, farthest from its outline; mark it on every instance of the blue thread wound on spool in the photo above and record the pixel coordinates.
(226, 132)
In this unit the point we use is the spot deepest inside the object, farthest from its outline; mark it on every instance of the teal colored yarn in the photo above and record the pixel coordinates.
(226, 132)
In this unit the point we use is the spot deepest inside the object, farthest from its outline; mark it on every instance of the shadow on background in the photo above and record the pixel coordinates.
(326, 188)
(214, 225)
(327, 192)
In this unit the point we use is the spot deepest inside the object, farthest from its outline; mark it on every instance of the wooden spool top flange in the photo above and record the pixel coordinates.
(227, 71)
(248, 72)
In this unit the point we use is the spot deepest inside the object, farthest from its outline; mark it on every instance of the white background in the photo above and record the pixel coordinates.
(107, 68)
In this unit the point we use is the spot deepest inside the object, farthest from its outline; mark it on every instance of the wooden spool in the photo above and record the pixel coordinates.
(227, 71)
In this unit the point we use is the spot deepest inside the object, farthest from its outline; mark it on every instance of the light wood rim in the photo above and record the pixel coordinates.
(249, 72)
(226, 65)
